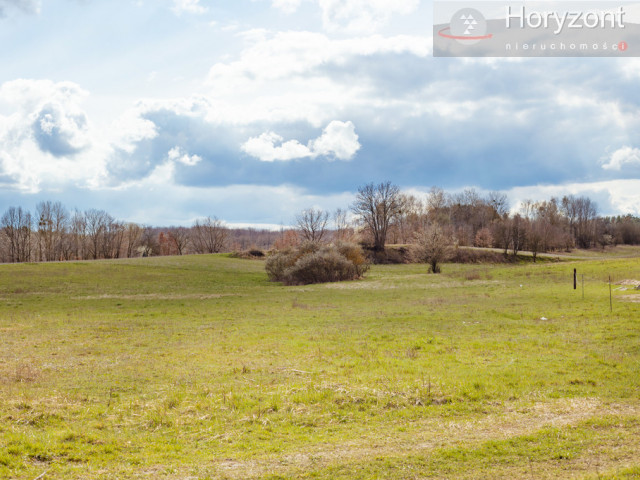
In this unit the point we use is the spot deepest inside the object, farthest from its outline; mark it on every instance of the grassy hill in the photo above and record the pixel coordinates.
(198, 367)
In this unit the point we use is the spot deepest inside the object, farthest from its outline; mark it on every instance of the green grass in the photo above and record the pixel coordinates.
(198, 367)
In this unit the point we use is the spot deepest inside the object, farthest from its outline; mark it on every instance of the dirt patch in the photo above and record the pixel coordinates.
(631, 298)
(629, 283)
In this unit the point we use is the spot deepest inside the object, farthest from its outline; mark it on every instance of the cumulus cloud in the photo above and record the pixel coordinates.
(338, 141)
(42, 131)
(188, 6)
(362, 15)
(60, 130)
(625, 156)
(27, 6)
(176, 154)
(296, 76)
(269, 147)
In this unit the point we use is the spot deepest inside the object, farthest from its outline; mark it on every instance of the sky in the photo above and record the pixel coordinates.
(162, 112)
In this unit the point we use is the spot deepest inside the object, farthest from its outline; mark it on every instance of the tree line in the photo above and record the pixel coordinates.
(53, 233)
(381, 214)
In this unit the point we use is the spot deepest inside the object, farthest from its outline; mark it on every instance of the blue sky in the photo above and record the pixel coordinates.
(165, 111)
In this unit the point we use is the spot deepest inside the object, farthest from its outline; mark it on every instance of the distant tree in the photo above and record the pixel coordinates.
(341, 224)
(16, 226)
(97, 222)
(581, 213)
(209, 235)
(499, 202)
(377, 206)
(78, 235)
(518, 230)
(484, 238)
(286, 240)
(312, 224)
(149, 242)
(433, 247)
(437, 206)
(179, 238)
(501, 231)
(133, 235)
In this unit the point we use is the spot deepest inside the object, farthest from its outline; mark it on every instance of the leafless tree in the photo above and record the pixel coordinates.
(341, 224)
(498, 201)
(113, 238)
(97, 222)
(518, 233)
(433, 247)
(133, 235)
(16, 226)
(78, 234)
(52, 222)
(179, 237)
(377, 206)
(209, 235)
(149, 242)
(312, 224)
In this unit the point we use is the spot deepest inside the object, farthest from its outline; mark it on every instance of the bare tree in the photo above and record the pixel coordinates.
(78, 234)
(433, 247)
(97, 224)
(113, 238)
(377, 206)
(209, 235)
(312, 224)
(498, 201)
(149, 242)
(179, 238)
(518, 233)
(341, 224)
(437, 206)
(133, 235)
(16, 226)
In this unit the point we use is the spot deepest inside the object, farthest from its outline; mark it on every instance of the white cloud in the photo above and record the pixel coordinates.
(362, 15)
(622, 157)
(269, 147)
(288, 76)
(45, 136)
(338, 141)
(188, 6)
(287, 6)
(176, 154)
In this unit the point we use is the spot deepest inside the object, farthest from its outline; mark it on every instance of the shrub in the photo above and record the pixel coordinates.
(277, 264)
(311, 263)
(389, 256)
(320, 267)
(433, 246)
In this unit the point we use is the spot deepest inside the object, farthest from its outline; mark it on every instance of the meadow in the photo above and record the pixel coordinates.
(198, 367)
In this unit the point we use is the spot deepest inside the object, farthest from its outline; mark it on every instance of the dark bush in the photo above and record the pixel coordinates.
(389, 256)
(311, 263)
(248, 254)
(320, 267)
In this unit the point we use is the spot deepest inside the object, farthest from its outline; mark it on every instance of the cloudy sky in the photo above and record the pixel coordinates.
(163, 111)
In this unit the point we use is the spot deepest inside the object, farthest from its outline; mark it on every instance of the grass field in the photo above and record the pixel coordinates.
(198, 367)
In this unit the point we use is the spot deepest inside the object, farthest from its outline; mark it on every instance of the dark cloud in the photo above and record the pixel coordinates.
(59, 132)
